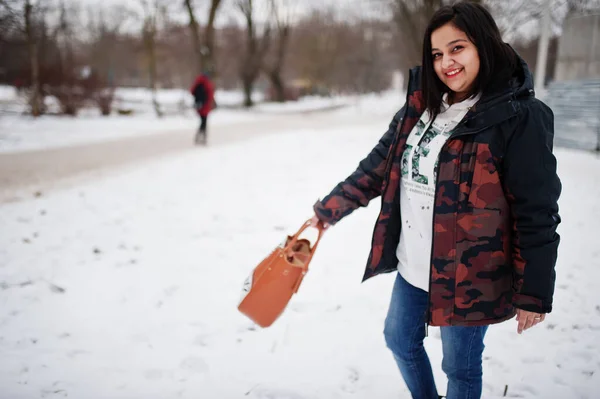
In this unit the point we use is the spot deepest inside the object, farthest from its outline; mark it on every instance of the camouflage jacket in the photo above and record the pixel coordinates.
(494, 228)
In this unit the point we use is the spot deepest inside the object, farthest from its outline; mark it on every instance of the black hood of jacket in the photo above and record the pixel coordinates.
(519, 85)
(500, 101)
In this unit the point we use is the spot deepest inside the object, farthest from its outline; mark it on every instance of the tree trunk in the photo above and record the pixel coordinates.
(204, 50)
(256, 48)
(35, 97)
(208, 51)
(150, 39)
(275, 72)
(278, 86)
(248, 84)
(411, 23)
(104, 99)
(193, 25)
(70, 103)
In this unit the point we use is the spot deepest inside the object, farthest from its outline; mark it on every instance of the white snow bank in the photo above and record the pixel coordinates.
(23, 133)
(127, 287)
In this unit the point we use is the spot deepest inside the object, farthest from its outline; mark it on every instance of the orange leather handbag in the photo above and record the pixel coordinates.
(271, 285)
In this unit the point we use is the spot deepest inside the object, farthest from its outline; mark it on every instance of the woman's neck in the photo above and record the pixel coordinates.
(454, 98)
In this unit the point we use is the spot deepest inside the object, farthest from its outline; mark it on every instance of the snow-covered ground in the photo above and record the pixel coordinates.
(22, 133)
(127, 286)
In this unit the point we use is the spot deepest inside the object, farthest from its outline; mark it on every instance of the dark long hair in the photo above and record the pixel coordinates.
(497, 60)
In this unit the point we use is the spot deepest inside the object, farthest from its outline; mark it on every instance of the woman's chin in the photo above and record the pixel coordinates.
(453, 86)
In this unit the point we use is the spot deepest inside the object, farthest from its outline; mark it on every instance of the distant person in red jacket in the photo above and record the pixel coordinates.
(204, 99)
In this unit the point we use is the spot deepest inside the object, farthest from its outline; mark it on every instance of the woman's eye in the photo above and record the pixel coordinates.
(436, 56)
(457, 48)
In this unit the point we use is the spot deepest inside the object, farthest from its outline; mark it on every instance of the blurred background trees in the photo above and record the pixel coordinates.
(79, 51)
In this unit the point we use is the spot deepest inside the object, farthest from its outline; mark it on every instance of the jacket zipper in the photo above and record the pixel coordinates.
(428, 314)
(437, 174)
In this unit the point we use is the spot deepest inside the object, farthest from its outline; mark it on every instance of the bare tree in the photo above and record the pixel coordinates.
(231, 45)
(35, 100)
(209, 37)
(334, 53)
(65, 90)
(283, 25)
(256, 48)
(319, 44)
(105, 52)
(10, 28)
(203, 46)
(583, 6)
(411, 18)
(511, 16)
(195, 31)
(152, 11)
(9, 17)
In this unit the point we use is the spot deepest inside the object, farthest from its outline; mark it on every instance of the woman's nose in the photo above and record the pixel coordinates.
(447, 61)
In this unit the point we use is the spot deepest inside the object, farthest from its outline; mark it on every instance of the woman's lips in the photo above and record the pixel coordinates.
(453, 73)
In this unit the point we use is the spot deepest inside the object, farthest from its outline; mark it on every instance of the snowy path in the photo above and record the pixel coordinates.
(126, 286)
(24, 173)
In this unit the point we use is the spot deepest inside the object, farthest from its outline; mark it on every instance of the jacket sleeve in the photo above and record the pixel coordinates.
(361, 186)
(532, 188)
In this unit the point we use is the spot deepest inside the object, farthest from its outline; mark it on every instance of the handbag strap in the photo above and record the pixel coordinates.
(294, 239)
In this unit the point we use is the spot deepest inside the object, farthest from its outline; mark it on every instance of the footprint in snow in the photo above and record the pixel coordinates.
(77, 352)
(200, 340)
(495, 363)
(54, 393)
(559, 381)
(588, 357)
(352, 378)
(194, 365)
(523, 391)
(266, 393)
(171, 290)
(533, 359)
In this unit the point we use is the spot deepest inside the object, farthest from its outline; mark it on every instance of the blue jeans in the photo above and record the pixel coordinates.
(462, 347)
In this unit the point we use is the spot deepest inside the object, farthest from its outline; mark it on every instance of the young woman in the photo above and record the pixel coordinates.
(469, 201)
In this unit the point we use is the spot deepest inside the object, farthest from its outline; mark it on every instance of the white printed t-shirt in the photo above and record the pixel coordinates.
(417, 189)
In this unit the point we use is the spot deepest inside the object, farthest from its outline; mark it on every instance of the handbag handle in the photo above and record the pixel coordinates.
(297, 235)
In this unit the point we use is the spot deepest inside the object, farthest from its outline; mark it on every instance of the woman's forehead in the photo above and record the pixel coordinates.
(447, 35)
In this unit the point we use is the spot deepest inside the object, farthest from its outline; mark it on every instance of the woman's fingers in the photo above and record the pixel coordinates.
(538, 319)
(314, 222)
(522, 321)
(529, 322)
(526, 320)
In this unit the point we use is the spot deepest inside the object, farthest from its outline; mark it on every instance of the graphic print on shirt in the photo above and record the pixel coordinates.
(417, 190)
(419, 160)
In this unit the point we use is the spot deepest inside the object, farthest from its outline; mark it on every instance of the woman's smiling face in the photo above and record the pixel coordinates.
(455, 60)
